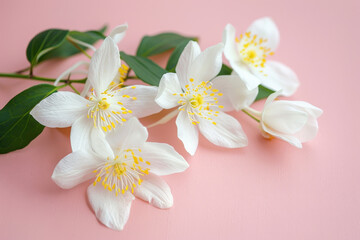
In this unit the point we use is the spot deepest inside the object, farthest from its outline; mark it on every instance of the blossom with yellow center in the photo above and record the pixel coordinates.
(248, 55)
(105, 107)
(123, 167)
(199, 103)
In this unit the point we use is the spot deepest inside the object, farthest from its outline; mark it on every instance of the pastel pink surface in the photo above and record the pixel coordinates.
(268, 190)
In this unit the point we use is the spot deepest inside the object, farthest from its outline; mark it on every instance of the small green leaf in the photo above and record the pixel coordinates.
(174, 58)
(145, 69)
(17, 127)
(66, 49)
(152, 45)
(264, 92)
(225, 70)
(43, 43)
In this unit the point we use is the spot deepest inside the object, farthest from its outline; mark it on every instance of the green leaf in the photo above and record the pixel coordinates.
(17, 127)
(174, 58)
(225, 70)
(264, 92)
(43, 43)
(145, 69)
(66, 49)
(152, 45)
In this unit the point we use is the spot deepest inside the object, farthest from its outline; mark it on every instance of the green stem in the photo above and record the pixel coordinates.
(79, 48)
(15, 75)
(73, 88)
(23, 70)
(253, 117)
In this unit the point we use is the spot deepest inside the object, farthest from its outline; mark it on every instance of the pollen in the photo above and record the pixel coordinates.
(119, 173)
(104, 107)
(199, 101)
(103, 104)
(253, 50)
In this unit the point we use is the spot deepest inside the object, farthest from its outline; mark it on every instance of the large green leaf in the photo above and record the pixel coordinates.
(152, 45)
(264, 92)
(145, 69)
(43, 43)
(17, 127)
(66, 49)
(174, 58)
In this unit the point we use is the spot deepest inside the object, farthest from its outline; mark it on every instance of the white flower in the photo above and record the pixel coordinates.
(248, 54)
(126, 165)
(192, 90)
(292, 121)
(107, 106)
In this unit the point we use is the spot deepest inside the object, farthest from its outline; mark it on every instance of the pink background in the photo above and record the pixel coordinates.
(268, 190)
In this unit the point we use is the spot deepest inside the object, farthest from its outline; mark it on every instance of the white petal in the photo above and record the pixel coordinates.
(104, 65)
(207, 65)
(271, 98)
(285, 137)
(235, 93)
(266, 28)
(310, 129)
(250, 80)
(99, 143)
(190, 52)
(118, 33)
(230, 48)
(279, 77)
(80, 135)
(155, 191)
(60, 109)
(75, 168)
(144, 104)
(163, 159)
(169, 85)
(131, 134)
(111, 210)
(187, 132)
(284, 117)
(226, 133)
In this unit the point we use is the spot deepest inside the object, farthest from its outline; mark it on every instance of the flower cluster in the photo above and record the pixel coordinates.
(109, 144)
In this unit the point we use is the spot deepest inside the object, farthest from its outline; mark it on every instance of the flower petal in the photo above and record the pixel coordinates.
(287, 138)
(111, 210)
(118, 33)
(284, 117)
(75, 168)
(226, 133)
(169, 90)
(235, 93)
(104, 65)
(155, 191)
(131, 134)
(99, 144)
(80, 135)
(250, 80)
(60, 109)
(207, 65)
(187, 132)
(266, 28)
(230, 48)
(162, 159)
(190, 52)
(144, 103)
(279, 77)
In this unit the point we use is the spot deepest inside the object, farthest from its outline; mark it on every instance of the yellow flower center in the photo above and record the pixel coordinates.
(122, 173)
(109, 108)
(103, 105)
(197, 101)
(200, 101)
(253, 50)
